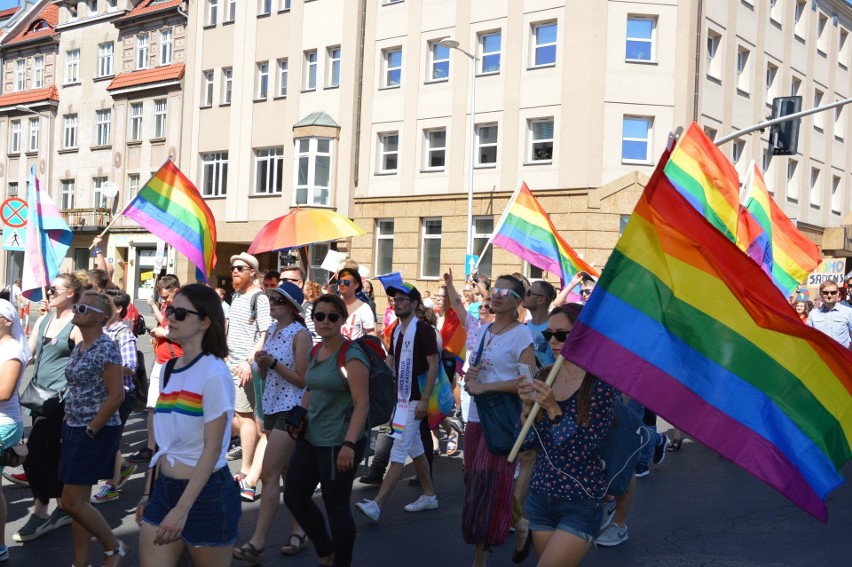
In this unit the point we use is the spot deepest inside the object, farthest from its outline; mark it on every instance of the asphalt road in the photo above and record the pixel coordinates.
(696, 509)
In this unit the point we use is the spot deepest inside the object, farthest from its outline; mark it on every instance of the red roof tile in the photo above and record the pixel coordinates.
(148, 6)
(8, 12)
(30, 96)
(49, 15)
(171, 72)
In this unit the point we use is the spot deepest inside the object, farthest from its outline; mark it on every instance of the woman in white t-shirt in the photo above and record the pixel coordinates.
(195, 502)
(361, 319)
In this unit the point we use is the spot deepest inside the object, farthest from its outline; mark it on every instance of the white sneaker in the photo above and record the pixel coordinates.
(613, 535)
(608, 513)
(370, 509)
(423, 503)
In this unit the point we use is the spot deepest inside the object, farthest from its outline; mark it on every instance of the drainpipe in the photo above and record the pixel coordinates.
(359, 96)
(698, 52)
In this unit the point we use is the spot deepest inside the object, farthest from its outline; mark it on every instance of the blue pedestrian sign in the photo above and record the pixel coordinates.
(470, 262)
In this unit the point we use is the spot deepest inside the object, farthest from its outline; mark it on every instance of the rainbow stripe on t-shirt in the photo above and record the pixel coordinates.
(186, 403)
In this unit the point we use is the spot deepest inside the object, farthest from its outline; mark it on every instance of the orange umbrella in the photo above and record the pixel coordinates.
(301, 227)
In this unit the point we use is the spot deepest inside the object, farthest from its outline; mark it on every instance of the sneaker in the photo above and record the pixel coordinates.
(126, 470)
(34, 528)
(143, 455)
(235, 454)
(371, 478)
(613, 535)
(20, 478)
(369, 509)
(642, 470)
(248, 492)
(107, 493)
(660, 450)
(608, 513)
(58, 518)
(4, 553)
(423, 503)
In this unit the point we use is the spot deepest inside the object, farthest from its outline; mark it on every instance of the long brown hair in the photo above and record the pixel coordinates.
(584, 394)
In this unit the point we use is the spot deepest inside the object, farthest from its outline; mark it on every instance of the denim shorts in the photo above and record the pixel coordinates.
(214, 517)
(579, 517)
(86, 460)
(10, 434)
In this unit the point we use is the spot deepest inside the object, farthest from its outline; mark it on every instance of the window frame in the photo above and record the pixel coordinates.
(714, 57)
(15, 131)
(385, 154)
(815, 192)
(135, 117)
(230, 14)
(479, 145)
(106, 54)
(143, 51)
(261, 86)
(207, 82)
(20, 75)
(99, 200)
(212, 13)
(648, 141)
(792, 186)
(167, 40)
(425, 252)
(38, 71)
(538, 46)
(484, 55)
(69, 131)
(271, 160)
(439, 65)
(311, 61)
(283, 76)
(384, 239)
(161, 110)
(333, 66)
(313, 155)
(67, 194)
(531, 150)
(216, 165)
(33, 138)
(743, 69)
(651, 41)
(227, 85)
(431, 151)
(388, 70)
(819, 117)
(480, 240)
(103, 126)
(836, 194)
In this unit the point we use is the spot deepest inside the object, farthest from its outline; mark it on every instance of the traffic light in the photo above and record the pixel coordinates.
(784, 137)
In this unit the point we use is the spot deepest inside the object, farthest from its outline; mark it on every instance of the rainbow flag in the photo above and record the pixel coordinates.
(454, 335)
(48, 240)
(791, 255)
(690, 327)
(170, 206)
(526, 231)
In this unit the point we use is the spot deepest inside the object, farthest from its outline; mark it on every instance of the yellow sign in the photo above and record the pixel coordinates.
(145, 276)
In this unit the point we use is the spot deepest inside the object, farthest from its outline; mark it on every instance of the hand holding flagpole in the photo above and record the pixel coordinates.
(534, 412)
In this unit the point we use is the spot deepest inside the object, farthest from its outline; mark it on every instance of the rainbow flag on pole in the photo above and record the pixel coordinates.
(692, 328)
(526, 231)
(791, 255)
(170, 206)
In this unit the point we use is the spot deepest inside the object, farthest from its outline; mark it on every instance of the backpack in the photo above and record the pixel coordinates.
(382, 383)
(138, 322)
(140, 379)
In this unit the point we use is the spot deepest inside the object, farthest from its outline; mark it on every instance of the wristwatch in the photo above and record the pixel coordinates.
(90, 432)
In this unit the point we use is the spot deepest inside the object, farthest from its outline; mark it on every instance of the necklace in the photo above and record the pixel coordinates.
(495, 333)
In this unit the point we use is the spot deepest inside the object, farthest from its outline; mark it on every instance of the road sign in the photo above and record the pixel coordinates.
(470, 262)
(14, 239)
(109, 189)
(13, 212)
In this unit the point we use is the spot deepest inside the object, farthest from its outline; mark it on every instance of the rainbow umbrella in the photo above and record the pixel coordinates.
(301, 227)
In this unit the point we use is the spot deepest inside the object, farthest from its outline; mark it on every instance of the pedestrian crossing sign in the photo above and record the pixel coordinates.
(14, 239)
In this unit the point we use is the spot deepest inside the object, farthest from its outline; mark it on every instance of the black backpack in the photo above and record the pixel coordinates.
(382, 384)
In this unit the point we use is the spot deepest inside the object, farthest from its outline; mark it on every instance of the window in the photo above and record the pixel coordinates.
(392, 58)
(333, 66)
(388, 152)
(227, 83)
(776, 11)
(714, 58)
(544, 44)
(212, 12)
(743, 74)
(641, 35)
(541, 140)
(384, 246)
(105, 55)
(436, 148)
(815, 193)
(12, 190)
(486, 146)
(430, 260)
(489, 52)
(310, 83)
(264, 7)
(207, 88)
(482, 229)
(166, 47)
(766, 161)
(99, 199)
(313, 171)
(839, 123)
(112, 4)
(230, 11)
(792, 181)
(843, 48)
(142, 51)
(69, 131)
(93, 7)
(285, 5)
(15, 137)
(795, 86)
(819, 117)
(737, 151)
(132, 185)
(135, 133)
(20, 74)
(771, 82)
(636, 139)
(799, 19)
(269, 171)
(283, 72)
(214, 174)
(38, 71)
(836, 203)
(822, 34)
(34, 124)
(439, 62)
(160, 108)
(262, 82)
(66, 194)
(102, 127)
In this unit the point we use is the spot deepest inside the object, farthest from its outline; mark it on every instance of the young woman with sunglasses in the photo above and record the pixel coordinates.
(568, 481)
(360, 318)
(335, 436)
(195, 503)
(487, 513)
(92, 429)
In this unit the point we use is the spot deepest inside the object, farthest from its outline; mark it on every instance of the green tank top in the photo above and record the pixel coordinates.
(52, 356)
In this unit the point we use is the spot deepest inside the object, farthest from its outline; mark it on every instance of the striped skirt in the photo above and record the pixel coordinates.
(488, 478)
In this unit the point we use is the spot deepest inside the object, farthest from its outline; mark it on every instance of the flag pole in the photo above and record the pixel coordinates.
(534, 412)
(499, 223)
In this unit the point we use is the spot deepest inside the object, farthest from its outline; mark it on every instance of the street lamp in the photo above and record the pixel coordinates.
(49, 158)
(451, 43)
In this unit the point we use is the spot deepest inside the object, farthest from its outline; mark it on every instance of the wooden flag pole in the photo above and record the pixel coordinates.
(536, 406)
(109, 226)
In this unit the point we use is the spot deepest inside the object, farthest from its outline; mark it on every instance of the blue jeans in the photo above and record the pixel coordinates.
(649, 424)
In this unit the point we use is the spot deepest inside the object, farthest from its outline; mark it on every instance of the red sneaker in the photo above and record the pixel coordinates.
(20, 478)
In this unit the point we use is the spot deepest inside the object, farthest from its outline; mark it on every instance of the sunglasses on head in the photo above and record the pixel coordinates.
(239, 268)
(180, 313)
(561, 336)
(504, 292)
(333, 317)
(82, 309)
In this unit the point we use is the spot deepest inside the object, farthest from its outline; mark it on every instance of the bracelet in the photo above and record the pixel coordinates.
(97, 250)
(349, 444)
(274, 362)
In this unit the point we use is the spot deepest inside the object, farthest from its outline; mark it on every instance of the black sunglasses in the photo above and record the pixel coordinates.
(180, 313)
(561, 336)
(333, 317)
(240, 268)
(278, 300)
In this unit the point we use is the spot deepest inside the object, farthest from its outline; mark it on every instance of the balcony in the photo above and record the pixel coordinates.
(87, 219)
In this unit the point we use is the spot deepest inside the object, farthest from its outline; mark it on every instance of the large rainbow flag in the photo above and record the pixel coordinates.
(692, 328)
(791, 255)
(170, 206)
(526, 231)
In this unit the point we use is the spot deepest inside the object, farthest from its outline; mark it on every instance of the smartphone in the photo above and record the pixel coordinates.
(525, 372)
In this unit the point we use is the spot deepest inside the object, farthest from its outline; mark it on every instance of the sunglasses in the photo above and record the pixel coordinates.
(531, 292)
(291, 280)
(82, 309)
(561, 336)
(346, 283)
(504, 292)
(332, 317)
(278, 300)
(239, 268)
(585, 291)
(835, 292)
(180, 313)
(53, 291)
(484, 307)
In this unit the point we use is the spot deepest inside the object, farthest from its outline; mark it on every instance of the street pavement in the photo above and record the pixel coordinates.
(694, 510)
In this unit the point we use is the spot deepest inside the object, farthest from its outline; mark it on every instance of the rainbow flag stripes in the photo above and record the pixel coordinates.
(691, 327)
(170, 206)
(183, 402)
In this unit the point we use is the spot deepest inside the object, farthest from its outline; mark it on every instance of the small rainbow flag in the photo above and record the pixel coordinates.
(692, 328)
(526, 231)
(170, 206)
(454, 335)
(791, 256)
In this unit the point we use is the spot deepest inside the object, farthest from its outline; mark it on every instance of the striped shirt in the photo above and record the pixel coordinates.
(243, 332)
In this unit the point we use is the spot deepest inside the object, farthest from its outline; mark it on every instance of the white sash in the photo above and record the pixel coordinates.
(404, 377)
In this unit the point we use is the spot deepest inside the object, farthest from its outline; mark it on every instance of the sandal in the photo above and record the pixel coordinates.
(293, 549)
(674, 446)
(121, 552)
(248, 552)
(239, 477)
(453, 443)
